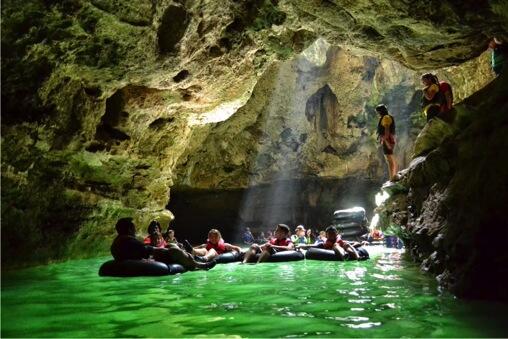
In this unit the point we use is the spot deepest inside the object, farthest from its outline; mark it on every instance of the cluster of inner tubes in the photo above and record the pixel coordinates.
(134, 268)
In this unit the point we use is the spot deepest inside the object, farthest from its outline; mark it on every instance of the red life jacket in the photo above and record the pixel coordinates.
(281, 242)
(328, 244)
(160, 243)
(443, 88)
(219, 247)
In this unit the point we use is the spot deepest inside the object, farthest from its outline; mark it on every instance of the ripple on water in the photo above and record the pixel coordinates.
(382, 297)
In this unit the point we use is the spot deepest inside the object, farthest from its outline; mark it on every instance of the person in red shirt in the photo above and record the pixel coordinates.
(155, 237)
(213, 247)
(334, 242)
(127, 247)
(281, 242)
(340, 247)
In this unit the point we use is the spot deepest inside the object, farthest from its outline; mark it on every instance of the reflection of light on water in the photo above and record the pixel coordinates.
(364, 325)
(381, 197)
(357, 274)
(386, 276)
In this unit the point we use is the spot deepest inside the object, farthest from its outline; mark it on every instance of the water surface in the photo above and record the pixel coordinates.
(383, 297)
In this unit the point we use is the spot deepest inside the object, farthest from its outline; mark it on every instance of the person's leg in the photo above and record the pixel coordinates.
(264, 255)
(178, 256)
(199, 251)
(392, 165)
(251, 254)
(211, 254)
(339, 251)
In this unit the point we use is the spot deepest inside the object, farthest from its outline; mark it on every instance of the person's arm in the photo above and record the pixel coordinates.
(230, 247)
(449, 99)
(430, 91)
(290, 246)
(200, 246)
(306, 246)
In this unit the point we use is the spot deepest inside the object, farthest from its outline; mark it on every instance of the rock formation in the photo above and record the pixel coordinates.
(110, 109)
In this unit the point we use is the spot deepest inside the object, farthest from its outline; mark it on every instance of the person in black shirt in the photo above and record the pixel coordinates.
(127, 247)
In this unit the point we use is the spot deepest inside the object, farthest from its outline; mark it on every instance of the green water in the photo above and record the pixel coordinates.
(383, 297)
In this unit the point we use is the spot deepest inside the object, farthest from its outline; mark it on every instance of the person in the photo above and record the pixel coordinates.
(247, 237)
(170, 237)
(213, 247)
(386, 136)
(334, 242)
(126, 247)
(498, 56)
(281, 242)
(262, 238)
(446, 89)
(432, 96)
(310, 237)
(155, 237)
(299, 236)
(321, 238)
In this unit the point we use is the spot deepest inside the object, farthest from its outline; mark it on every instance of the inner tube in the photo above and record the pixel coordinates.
(329, 255)
(285, 256)
(229, 257)
(138, 268)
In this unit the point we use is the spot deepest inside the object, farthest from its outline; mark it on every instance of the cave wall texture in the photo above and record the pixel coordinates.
(108, 107)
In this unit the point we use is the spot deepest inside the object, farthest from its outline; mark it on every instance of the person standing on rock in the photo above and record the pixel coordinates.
(386, 136)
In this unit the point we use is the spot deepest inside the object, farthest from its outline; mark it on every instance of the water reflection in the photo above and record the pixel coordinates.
(382, 297)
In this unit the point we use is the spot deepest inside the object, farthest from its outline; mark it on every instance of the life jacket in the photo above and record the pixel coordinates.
(328, 244)
(443, 88)
(281, 242)
(160, 242)
(220, 247)
(381, 128)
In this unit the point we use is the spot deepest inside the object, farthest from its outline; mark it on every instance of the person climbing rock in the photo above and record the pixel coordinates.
(432, 96)
(386, 136)
(446, 108)
(498, 56)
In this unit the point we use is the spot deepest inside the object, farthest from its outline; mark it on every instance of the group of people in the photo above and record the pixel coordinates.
(301, 236)
(283, 241)
(165, 248)
(437, 102)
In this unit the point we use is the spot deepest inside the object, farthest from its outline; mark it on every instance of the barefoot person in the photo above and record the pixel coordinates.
(213, 247)
(386, 136)
(281, 242)
(127, 247)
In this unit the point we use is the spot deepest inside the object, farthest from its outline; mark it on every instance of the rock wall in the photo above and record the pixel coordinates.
(450, 206)
(106, 106)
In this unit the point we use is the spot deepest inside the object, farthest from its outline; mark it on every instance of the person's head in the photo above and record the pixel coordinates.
(154, 227)
(269, 233)
(495, 42)
(262, 234)
(331, 232)
(170, 234)
(381, 110)
(282, 231)
(429, 79)
(309, 232)
(247, 229)
(300, 230)
(125, 226)
(214, 236)
(322, 234)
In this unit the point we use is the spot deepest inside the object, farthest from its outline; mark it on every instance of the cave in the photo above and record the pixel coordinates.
(201, 115)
